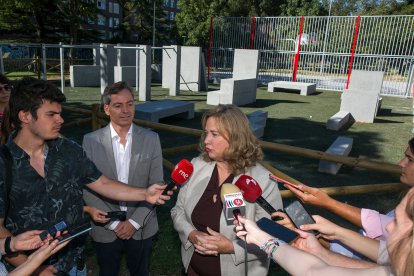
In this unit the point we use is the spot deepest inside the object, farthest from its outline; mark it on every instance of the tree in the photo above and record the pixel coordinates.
(138, 20)
(193, 20)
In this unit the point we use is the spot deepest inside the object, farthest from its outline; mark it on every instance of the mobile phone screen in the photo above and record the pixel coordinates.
(299, 216)
(276, 230)
(83, 229)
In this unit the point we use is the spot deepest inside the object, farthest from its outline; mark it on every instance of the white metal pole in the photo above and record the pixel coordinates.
(62, 68)
(326, 38)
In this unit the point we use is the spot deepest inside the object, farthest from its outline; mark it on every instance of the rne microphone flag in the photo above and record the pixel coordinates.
(179, 175)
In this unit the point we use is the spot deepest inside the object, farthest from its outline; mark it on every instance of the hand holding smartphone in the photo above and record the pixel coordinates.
(276, 230)
(73, 233)
(299, 216)
(278, 179)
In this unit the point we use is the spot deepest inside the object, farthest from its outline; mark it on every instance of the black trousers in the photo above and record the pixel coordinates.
(137, 252)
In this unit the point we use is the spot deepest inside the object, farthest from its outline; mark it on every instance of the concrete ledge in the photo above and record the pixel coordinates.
(341, 146)
(84, 76)
(304, 87)
(153, 111)
(338, 121)
(125, 73)
(237, 92)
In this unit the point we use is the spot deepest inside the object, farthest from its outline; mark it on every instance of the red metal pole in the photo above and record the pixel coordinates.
(354, 42)
(297, 52)
(209, 48)
(252, 30)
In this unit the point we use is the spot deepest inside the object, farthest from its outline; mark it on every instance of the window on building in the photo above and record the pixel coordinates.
(172, 3)
(111, 22)
(116, 8)
(166, 3)
(171, 16)
(101, 4)
(110, 7)
(101, 20)
(116, 22)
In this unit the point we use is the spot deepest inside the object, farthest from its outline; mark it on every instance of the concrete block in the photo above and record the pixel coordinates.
(153, 111)
(156, 72)
(108, 59)
(362, 106)
(304, 87)
(125, 73)
(368, 81)
(213, 97)
(145, 56)
(341, 146)
(190, 68)
(246, 64)
(338, 121)
(237, 92)
(84, 76)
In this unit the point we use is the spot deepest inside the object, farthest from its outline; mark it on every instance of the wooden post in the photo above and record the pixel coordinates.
(95, 119)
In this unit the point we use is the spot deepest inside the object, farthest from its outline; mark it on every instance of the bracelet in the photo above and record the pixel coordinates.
(7, 248)
(270, 246)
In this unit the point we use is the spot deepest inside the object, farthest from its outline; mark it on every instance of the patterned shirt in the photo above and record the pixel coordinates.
(38, 202)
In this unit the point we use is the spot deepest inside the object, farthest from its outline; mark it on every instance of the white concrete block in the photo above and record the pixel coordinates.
(153, 111)
(304, 87)
(341, 146)
(338, 121)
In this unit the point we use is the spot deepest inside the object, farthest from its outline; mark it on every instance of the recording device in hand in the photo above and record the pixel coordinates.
(73, 233)
(233, 203)
(299, 216)
(60, 226)
(179, 175)
(276, 230)
(252, 192)
(116, 215)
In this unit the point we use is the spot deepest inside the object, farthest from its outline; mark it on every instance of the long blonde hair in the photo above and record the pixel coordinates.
(244, 148)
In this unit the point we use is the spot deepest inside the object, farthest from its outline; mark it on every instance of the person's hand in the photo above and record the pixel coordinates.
(96, 214)
(154, 194)
(216, 241)
(249, 231)
(309, 195)
(328, 230)
(26, 241)
(309, 243)
(202, 243)
(43, 270)
(124, 230)
(286, 222)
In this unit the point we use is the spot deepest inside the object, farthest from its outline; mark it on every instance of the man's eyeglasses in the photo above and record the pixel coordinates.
(5, 87)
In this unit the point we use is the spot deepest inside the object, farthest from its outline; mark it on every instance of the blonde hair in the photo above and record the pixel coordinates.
(402, 260)
(244, 148)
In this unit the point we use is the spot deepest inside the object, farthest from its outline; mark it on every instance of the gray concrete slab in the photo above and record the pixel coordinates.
(153, 111)
(339, 120)
(84, 75)
(341, 146)
(304, 87)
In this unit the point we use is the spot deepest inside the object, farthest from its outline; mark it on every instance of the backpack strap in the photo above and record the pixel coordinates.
(8, 162)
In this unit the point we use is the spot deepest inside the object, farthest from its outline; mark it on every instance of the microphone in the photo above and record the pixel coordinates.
(179, 175)
(253, 193)
(233, 203)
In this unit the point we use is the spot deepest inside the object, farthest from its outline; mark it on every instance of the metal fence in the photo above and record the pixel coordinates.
(323, 50)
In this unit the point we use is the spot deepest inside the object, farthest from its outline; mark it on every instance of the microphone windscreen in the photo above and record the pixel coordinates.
(182, 172)
(228, 188)
(249, 187)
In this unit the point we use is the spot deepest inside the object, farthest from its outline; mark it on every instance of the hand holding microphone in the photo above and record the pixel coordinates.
(179, 175)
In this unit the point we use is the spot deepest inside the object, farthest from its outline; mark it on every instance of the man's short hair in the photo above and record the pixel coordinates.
(29, 94)
(115, 89)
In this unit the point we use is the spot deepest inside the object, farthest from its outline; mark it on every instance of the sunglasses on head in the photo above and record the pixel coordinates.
(5, 87)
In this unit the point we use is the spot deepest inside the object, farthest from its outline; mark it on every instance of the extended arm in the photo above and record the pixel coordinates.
(316, 197)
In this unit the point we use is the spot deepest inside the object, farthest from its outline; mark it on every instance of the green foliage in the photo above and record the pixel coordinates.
(301, 8)
(138, 19)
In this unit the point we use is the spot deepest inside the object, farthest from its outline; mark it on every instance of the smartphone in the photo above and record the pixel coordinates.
(73, 233)
(60, 226)
(121, 215)
(299, 216)
(278, 179)
(276, 230)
